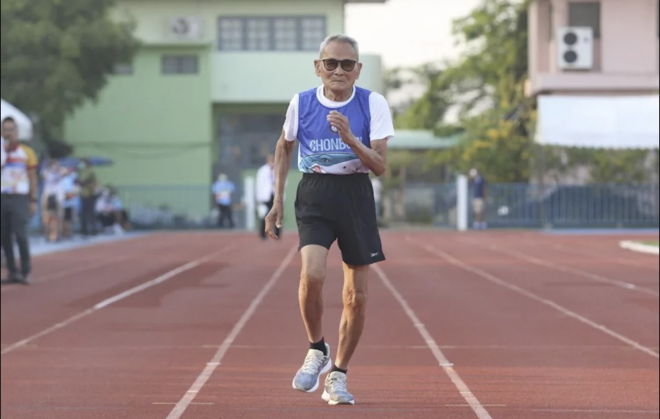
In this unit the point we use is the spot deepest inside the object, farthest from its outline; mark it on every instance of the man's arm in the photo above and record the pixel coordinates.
(33, 175)
(283, 155)
(375, 158)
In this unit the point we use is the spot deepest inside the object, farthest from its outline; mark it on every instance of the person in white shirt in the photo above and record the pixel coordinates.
(109, 209)
(52, 199)
(69, 205)
(378, 195)
(265, 194)
(3, 153)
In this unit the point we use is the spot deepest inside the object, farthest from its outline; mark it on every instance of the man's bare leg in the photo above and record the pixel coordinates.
(352, 324)
(356, 281)
(310, 294)
(312, 279)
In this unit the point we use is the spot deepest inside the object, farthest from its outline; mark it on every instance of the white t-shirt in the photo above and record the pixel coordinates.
(3, 156)
(382, 125)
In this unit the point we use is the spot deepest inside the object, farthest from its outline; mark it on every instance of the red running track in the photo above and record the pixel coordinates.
(206, 326)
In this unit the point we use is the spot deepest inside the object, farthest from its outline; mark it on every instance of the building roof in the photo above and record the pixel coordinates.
(421, 140)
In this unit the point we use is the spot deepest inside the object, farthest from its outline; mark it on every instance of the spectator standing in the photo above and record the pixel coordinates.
(88, 183)
(52, 200)
(480, 187)
(70, 190)
(19, 189)
(266, 194)
(223, 189)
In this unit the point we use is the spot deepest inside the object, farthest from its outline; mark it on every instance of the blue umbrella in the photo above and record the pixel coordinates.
(73, 162)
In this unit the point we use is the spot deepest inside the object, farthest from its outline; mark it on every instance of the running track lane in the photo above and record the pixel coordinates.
(62, 290)
(394, 376)
(122, 360)
(139, 357)
(527, 355)
(632, 312)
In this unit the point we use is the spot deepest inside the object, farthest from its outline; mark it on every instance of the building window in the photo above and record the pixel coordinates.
(123, 69)
(258, 34)
(231, 34)
(585, 14)
(271, 33)
(180, 64)
(286, 34)
(313, 33)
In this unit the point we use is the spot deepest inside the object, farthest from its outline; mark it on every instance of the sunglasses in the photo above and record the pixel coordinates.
(332, 64)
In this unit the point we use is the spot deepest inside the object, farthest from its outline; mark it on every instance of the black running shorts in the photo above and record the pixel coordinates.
(341, 208)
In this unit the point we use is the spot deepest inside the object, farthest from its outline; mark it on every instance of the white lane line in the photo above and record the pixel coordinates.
(446, 365)
(213, 365)
(567, 269)
(169, 275)
(640, 248)
(599, 411)
(530, 295)
(598, 256)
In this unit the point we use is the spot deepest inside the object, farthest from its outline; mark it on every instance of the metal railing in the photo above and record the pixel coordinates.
(508, 206)
(567, 206)
(173, 207)
(534, 206)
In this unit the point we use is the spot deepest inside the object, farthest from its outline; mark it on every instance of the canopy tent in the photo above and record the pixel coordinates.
(603, 122)
(25, 127)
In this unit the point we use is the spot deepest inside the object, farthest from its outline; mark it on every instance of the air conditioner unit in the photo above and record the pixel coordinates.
(185, 29)
(575, 47)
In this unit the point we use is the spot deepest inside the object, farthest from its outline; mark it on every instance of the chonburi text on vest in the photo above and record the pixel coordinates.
(321, 148)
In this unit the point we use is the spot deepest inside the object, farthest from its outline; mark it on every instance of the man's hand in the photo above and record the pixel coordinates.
(274, 219)
(33, 209)
(343, 126)
(375, 159)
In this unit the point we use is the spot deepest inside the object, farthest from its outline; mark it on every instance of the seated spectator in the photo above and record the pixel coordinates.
(110, 211)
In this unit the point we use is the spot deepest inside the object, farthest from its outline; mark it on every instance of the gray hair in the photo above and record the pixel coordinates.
(339, 38)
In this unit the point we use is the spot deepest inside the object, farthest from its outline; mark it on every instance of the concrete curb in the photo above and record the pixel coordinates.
(640, 248)
(40, 248)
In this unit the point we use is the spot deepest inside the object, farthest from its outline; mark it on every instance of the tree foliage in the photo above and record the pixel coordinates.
(58, 54)
(492, 74)
(486, 87)
(428, 111)
(496, 119)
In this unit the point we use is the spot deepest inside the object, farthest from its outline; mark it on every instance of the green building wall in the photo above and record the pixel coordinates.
(161, 131)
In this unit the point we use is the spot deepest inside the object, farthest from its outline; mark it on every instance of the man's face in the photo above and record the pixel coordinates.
(10, 131)
(339, 67)
(270, 160)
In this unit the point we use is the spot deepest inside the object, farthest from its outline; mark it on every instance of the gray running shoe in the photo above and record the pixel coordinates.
(336, 392)
(308, 377)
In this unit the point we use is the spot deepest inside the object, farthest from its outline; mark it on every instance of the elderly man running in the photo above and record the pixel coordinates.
(343, 132)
